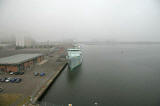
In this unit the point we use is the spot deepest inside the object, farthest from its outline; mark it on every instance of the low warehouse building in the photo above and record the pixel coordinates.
(19, 62)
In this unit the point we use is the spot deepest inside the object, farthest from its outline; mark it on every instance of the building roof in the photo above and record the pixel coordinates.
(18, 59)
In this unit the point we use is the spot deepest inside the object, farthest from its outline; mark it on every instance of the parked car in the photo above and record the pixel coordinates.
(8, 79)
(36, 73)
(18, 80)
(3, 79)
(16, 73)
(12, 80)
(42, 74)
(11, 73)
(21, 73)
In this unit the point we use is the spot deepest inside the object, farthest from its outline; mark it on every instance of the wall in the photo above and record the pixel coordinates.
(12, 68)
(39, 59)
(2, 68)
(28, 64)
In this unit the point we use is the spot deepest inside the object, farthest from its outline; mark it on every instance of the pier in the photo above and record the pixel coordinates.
(31, 88)
(44, 88)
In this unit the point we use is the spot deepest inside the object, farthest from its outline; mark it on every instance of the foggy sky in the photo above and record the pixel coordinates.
(82, 19)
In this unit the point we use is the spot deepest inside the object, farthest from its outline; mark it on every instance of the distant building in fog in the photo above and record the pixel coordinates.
(45, 44)
(24, 41)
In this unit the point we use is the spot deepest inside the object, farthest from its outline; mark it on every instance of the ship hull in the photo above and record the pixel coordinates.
(74, 58)
(74, 62)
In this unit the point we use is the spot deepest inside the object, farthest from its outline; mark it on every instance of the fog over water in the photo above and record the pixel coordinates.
(133, 20)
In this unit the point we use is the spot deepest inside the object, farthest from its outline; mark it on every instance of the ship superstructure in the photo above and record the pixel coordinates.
(74, 57)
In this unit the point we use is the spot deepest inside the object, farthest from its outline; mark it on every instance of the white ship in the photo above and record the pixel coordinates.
(74, 57)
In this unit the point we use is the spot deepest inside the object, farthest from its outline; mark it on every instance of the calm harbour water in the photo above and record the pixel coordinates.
(111, 75)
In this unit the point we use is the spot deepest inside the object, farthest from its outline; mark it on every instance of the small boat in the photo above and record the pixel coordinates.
(74, 57)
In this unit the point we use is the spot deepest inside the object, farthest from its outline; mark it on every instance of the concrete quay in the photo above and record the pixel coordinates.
(27, 92)
(43, 89)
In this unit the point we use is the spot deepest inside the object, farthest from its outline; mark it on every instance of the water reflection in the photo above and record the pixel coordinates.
(72, 76)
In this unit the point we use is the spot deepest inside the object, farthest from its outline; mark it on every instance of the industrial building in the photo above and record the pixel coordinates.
(19, 62)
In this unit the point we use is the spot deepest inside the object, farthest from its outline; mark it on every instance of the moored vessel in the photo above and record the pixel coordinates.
(74, 57)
